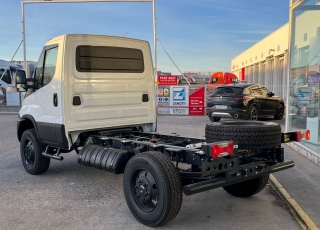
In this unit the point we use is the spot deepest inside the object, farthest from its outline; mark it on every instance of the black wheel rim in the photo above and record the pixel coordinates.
(281, 111)
(28, 152)
(254, 114)
(144, 190)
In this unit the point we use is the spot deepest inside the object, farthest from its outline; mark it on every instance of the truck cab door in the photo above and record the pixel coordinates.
(43, 101)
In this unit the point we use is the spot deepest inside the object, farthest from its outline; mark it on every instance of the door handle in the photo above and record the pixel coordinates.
(55, 99)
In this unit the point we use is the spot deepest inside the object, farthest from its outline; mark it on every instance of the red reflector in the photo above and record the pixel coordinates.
(221, 149)
(298, 136)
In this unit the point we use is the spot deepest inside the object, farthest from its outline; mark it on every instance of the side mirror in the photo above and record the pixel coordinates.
(21, 77)
(21, 81)
(270, 94)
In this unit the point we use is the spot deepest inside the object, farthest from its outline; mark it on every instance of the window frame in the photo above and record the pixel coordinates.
(40, 64)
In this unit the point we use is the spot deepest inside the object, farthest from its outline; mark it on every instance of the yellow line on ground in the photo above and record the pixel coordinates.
(302, 217)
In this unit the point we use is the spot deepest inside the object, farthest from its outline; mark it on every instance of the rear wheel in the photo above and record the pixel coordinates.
(152, 188)
(247, 188)
(31, 153)
(280, 112)
(214, 119)
(253, 113)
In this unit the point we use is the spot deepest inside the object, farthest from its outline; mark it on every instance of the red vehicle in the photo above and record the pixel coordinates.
(221, 78)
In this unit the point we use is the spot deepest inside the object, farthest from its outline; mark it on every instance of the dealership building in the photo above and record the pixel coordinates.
(287, 62)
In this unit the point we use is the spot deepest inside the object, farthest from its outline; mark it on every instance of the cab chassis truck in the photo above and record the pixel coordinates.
(95, 95)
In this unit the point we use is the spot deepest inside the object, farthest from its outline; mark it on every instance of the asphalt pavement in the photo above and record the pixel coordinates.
(70, 196)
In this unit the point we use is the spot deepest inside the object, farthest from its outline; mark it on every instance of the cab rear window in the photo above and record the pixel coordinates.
(223, 91)
(108, 59)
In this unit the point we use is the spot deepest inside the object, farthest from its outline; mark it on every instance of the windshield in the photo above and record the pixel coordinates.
(227, 91)
(213, 80)
(7, 75)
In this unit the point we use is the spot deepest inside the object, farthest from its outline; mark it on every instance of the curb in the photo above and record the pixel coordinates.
(302, 217)
(9, 113)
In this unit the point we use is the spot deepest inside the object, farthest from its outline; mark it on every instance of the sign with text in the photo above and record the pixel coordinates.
(196, 100)
(179, 111)
(179, 96)
(163, 95)
(167, 79)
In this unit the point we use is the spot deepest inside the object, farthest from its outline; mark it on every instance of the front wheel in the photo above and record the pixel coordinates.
(152, 188)
(31, 153)
(247, 188)
(214, 119)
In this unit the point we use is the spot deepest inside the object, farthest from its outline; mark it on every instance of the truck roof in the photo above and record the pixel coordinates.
(91, 36)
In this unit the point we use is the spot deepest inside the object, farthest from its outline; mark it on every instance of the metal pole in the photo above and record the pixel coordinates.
(24, 38)
(155, 37)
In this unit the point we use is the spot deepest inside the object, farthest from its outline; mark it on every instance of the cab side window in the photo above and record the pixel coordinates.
(49, 65)
(46, 67)
(39, 72)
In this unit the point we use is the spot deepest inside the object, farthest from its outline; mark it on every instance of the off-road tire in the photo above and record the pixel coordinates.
(247, 188)
(214, 119)
(280, 112)
(167, 185)
(248, 134)
(29, 144)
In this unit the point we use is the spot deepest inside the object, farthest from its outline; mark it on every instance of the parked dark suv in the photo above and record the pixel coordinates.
(244, 101)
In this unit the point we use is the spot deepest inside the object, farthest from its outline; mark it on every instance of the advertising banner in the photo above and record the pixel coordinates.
(181, 100)
(179, 97)
(163, 95)
(168, 79)
(197, 100)
(313, 78)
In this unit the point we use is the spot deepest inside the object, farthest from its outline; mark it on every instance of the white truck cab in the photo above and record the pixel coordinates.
(89, 82)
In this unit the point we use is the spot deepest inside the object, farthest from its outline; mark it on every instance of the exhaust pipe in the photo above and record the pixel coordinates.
(236, 116)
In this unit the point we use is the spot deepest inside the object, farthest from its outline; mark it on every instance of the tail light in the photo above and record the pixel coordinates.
(298, 135)
(240, 98)
(221, 149)
(302, 135)
(210, 98)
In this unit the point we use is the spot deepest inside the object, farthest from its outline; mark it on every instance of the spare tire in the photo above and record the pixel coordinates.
(248, 134)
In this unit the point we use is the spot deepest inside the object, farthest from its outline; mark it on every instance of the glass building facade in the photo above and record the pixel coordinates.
(304, 70)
